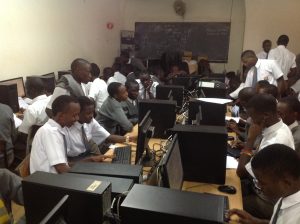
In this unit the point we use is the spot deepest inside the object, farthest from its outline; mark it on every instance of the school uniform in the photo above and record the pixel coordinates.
(295, 129)
(130, 108)
(262, 55)
(98, 92)
(144, 94)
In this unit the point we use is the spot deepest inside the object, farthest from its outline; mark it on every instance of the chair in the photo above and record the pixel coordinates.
(23, 169)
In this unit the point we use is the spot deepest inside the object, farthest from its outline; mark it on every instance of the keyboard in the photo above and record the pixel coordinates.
(234, 152)
(123, 155)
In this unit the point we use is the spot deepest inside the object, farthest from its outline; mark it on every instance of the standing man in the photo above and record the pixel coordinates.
(71, 84)
(284, 58)
(266, 45)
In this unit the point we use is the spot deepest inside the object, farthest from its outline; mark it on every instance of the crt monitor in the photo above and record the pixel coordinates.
(20, 85)
(206, 113)
(170, 171)
(165, 92)
(145, 132)
(212, 89)
(188, 82)
(163, 115)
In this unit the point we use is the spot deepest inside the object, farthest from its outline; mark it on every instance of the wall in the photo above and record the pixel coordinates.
(196, 11)
(39, 37)
(268, 19)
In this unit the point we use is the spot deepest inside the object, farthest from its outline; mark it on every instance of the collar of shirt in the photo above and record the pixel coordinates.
(291, 200)
(78, 125)
(272, 128)
(258, 63)
(41, 97)
(56, 125)
(293, 125)
(281, 47)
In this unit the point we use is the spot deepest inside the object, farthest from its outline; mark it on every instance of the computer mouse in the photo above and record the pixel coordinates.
(227, 189)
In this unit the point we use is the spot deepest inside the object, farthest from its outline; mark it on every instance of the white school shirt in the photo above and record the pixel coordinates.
(74, 138)
(262, 55)
(98, 92)
(266, 70)
(284, 58)
(35, 113)
(142, 89)
(118, 77)
(58, 91)
(48, 148)
(289, 212)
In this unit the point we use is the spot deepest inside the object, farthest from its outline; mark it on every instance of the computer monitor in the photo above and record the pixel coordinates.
(145, 133)
(57, 213)
(20, 85)
(212, 89)
(203, 151)
(47, 79)
(9, 96)
(214, 77)
(170, 171)
(163, 93)
(188, 82)
(163, 115)
(206, 113)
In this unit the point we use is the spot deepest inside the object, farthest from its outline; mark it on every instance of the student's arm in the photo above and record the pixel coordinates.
(62, 168)
(120, 139)
(281, 85)
(120, 116)
(246, 218)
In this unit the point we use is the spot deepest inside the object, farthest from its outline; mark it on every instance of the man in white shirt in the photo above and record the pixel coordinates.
(266, 45)
(261, 69)
(284, 58)
(86, 131)
(98, 91)
(118, 76)
(147, 86)
(277, 172)
(71, 84)
(49, 152)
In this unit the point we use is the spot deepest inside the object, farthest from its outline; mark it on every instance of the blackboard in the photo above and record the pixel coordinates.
(210, 39)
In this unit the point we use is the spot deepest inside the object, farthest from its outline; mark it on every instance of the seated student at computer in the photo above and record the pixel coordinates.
(277, 172)
(111, 113)
(84, 136)
(130, 106)
(288, 109)
(147, 86)
(71, 84)
(98, 91)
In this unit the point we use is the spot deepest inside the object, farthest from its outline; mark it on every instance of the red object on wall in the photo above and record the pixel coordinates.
(109, 25)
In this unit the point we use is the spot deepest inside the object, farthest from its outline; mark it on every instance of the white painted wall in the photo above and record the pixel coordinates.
(43, 36)
(196, 11)
(268, 19)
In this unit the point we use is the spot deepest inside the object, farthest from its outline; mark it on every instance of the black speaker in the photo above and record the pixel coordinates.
(9, 96)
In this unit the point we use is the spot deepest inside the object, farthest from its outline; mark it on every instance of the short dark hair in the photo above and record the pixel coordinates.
(34, 86)
(246, 94)
(113, 88)
(283, 40)
(262, 83)
(61, 103)
(131, 83)
(248, 54)
(266, 41)
(292, 102)
(77, 62)
(279, 159)
(108, 72)
(85, 102)
(95, 70)
(272, 90)
(263, 103)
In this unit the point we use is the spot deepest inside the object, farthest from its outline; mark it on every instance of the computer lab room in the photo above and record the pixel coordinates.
(139, 111)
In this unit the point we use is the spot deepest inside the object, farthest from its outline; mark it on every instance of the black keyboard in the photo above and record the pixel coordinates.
(123, 155)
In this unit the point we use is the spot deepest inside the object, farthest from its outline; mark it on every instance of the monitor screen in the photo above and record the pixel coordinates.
(170, 169)
(20, 85)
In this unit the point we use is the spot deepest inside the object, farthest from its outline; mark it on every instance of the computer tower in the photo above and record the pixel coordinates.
(206, 113)
(203, 152)
(211, 89)
(88, 200)
(9, 96)
(127, 171)
(163, 115)
(118, 185)
(148, 204)
(162, 92)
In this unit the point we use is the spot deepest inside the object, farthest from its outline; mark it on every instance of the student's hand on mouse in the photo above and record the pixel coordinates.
(243, 217)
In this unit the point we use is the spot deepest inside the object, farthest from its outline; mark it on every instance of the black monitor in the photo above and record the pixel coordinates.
(57, 213)
(170, 171)
(188, 82)
(47, 79)
(9, 96)
(206, 113)
(166, 92)
(163, 115)
(212, 89)
(220, 77)
(203, 151)
(145, 132)
(20, 85)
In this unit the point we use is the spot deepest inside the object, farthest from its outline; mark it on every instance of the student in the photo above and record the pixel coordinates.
(8, 132)
(48, 152)
(98, 91)
(71, 84)
(107, 73)
(266, 45)
(147, 86)
(294, 81)
(261, 84)
(284, 58)
(135, 62)
(95, 73)
(260, 69)
(10, 190)
(288, 109)
(84, 136)
(277, 172)
(130, 106)
(118, 76)
(111, 113)
(204, 67)
(269, 89)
